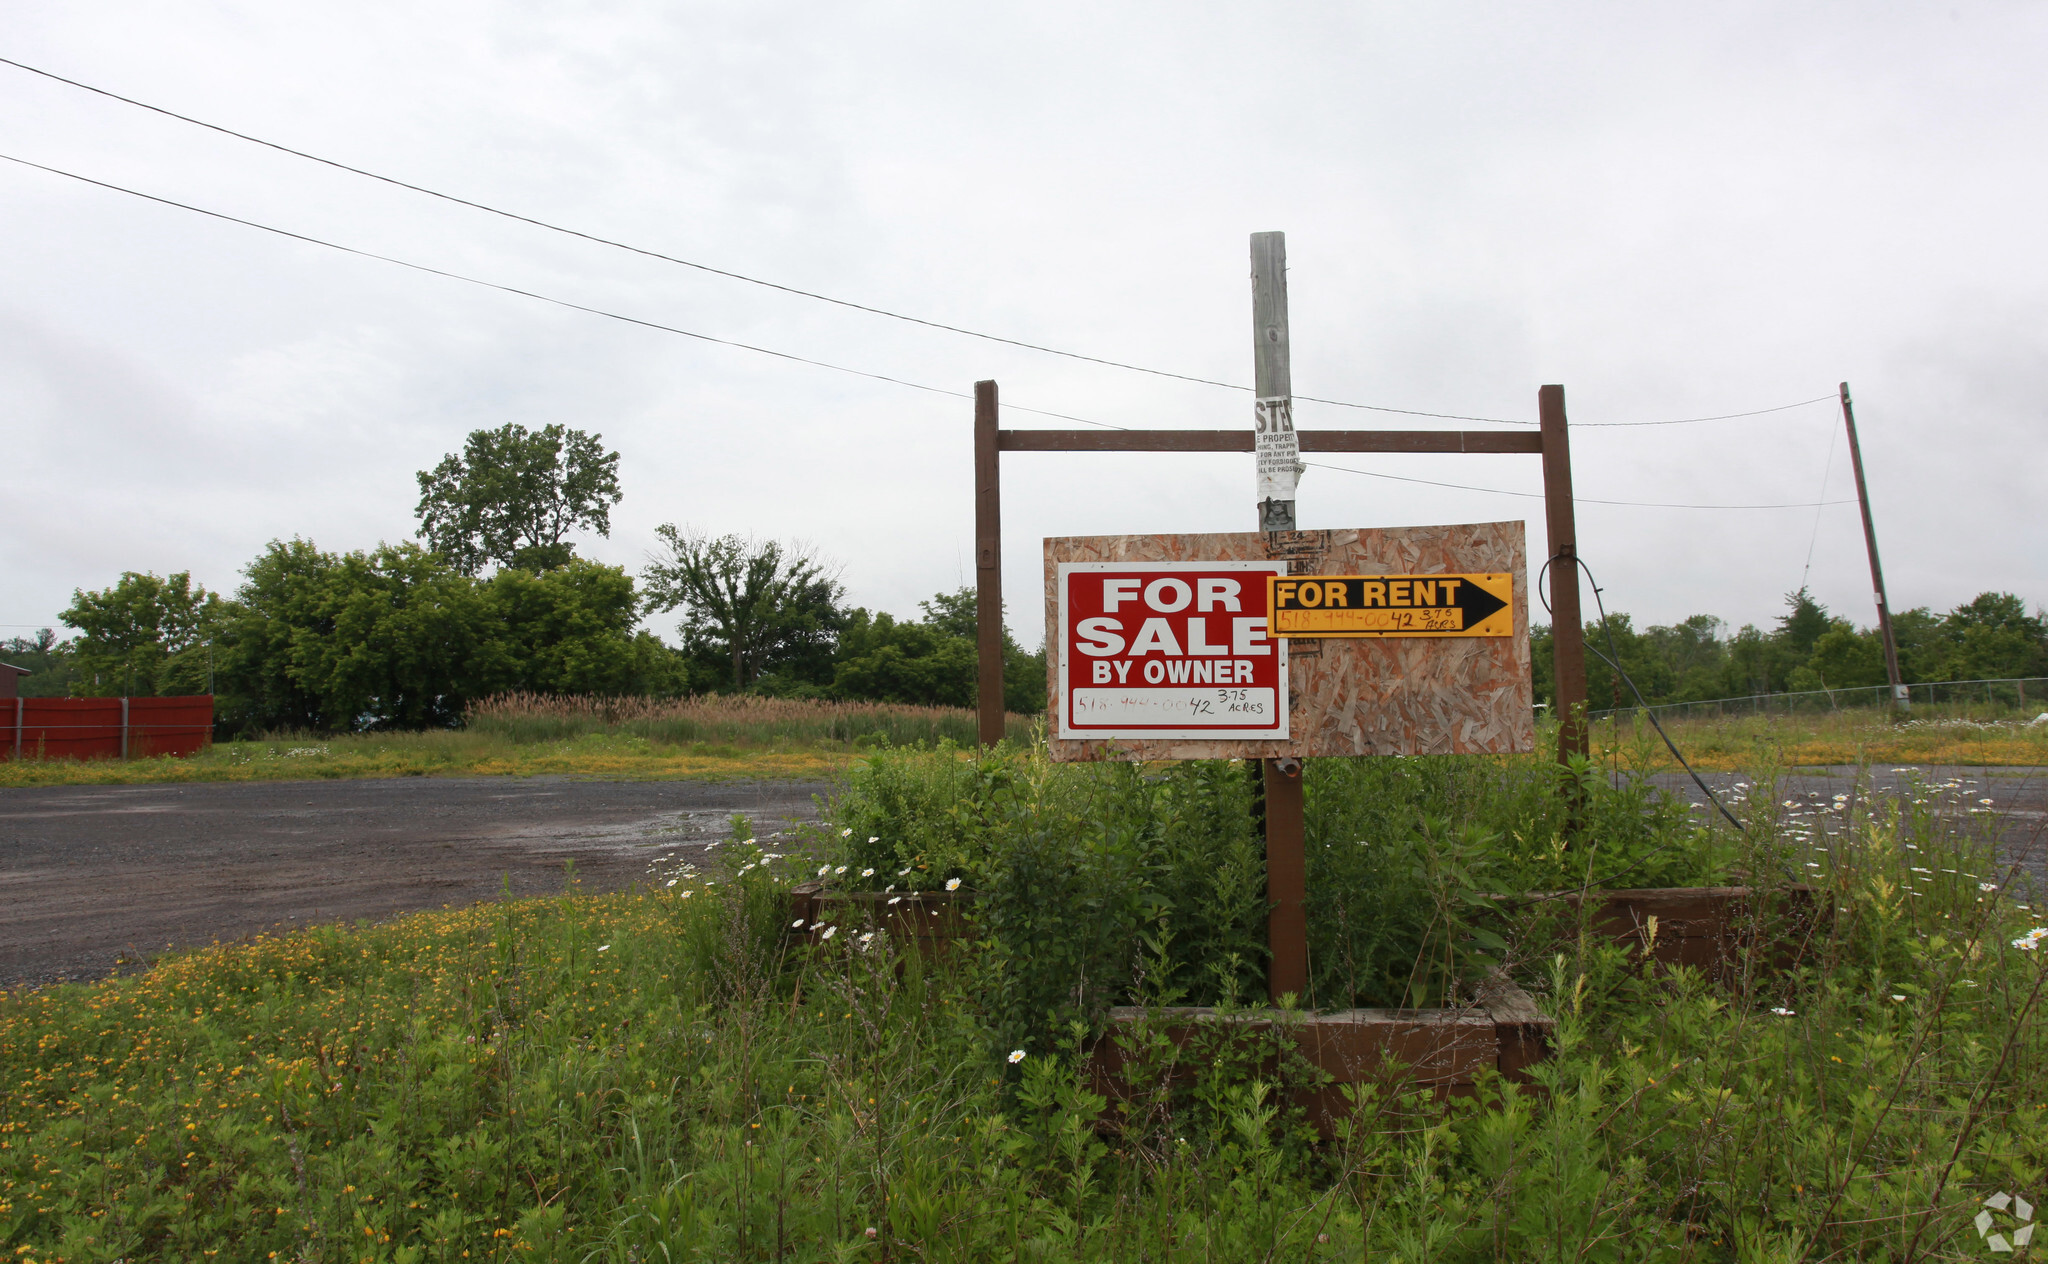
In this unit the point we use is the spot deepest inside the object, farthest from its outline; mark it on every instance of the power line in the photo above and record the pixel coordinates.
(797, 291)
(1687, 421)
(638, 250)
(1825, 469)
(745, 346)
(1645, 504)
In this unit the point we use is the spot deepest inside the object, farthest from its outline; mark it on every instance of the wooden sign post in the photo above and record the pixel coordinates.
(1379, 685)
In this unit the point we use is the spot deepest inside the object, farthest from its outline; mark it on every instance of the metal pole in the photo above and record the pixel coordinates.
(124, 728)
(988, 567)
(1567, 629)
(1279, 463)
(1884, 614)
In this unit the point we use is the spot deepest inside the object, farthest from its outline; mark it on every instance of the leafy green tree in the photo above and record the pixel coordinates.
(890, 661)
(147, 635)
(933, 661)
(1992, 637)
(513, 494)
(1803, 623)
(50, 662)
(1695, 658)
(1844, 658)
(570, 631)
(1917, 632)
(391, 638)
(761, 605)
(397, 638)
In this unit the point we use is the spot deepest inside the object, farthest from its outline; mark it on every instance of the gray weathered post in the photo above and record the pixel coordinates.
(988, 568)
(1278, 466)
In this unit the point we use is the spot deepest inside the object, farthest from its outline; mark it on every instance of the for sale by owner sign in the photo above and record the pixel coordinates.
(1169, 650)
(1414, 641)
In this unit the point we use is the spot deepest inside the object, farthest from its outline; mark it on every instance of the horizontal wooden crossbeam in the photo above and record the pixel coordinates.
(1241, 441)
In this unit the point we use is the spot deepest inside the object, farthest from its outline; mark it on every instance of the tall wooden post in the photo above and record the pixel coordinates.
(1567, 628)
(988, 568)
(1286, 846)
(1900, 698)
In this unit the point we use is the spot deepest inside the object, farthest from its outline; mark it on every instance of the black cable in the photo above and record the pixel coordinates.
(1615, 663)
(1687, 421)
(545, 298)
(723, 342)
(690, 263)
(803, 293)
(1583, 500)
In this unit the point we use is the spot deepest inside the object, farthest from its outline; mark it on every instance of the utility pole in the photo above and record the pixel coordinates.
(1900, 697)
(1278, 456)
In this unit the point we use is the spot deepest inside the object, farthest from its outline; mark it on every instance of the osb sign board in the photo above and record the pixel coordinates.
(1158, 649)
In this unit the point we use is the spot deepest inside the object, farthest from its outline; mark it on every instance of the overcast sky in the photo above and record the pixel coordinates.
(1675, 211)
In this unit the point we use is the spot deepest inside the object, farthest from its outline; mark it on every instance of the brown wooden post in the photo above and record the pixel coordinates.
(988, 566)
(1567, 628)
(1286, 881)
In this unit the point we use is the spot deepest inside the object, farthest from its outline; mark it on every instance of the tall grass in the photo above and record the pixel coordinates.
(660, 1075)
(741, 719)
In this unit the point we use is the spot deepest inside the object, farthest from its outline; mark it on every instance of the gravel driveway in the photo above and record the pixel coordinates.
(91, 876)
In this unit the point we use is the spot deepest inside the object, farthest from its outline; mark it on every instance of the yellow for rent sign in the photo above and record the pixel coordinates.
(1391, 605)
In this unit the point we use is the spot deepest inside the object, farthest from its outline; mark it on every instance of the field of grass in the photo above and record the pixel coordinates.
(1930, 736)
(717, 737)
(659, 1075)
(519, 735)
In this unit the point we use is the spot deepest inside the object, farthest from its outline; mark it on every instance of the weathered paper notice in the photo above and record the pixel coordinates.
(1277, 450)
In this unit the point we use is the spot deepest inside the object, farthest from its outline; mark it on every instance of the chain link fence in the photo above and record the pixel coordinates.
(2020, 697)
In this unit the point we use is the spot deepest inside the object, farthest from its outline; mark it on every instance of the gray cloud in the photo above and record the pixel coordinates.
(1674, 213)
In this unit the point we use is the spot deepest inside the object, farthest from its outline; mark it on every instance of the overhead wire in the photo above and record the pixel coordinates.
(747, 346)
(814, 295)
(513, 289)
(1582, 500)
(1826, 468)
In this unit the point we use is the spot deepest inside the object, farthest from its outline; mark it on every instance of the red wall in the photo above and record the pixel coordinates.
(90, 728)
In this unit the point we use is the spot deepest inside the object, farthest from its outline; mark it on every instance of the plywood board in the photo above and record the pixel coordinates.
(1418, 696)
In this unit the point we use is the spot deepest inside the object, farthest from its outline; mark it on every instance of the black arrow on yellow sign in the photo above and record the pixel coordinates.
(1390, 605)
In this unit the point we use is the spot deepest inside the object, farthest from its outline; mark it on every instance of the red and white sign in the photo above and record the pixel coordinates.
(1168, 649)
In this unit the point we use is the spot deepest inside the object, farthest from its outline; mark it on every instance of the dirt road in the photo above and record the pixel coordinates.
(93, 875)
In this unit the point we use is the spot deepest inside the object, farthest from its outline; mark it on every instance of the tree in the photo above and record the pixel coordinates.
(51, 663)
(513, 494)
(1804, 622)
(146, 635)
(391, 638)
(397, 638)
(1992, 637)
(570, 631)
(762, 605)
(932, 662)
